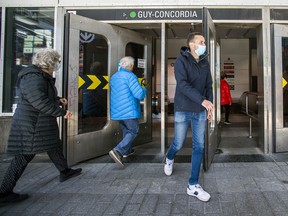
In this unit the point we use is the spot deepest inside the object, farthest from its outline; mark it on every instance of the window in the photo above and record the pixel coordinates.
(285, 80)
(137, 51)
(27, 30)
(93, 70)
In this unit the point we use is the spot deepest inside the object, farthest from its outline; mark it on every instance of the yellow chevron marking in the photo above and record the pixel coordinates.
(107, 79)
(284, 82)
(80, 82)
(142, 81)
(95, 80)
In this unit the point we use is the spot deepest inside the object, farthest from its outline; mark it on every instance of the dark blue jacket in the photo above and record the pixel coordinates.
(194, 82)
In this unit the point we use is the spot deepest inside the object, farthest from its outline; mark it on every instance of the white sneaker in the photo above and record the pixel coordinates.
(197, 191)
(168, 168)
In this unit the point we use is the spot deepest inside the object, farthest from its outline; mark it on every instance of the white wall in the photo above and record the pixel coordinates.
(238, 52)
(235, 49)
(174, 46)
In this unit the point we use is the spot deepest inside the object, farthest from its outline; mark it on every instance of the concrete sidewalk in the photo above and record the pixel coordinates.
(242, 188)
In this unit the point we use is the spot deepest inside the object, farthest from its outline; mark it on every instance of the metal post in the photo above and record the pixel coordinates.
(250, 128)
(163, 87)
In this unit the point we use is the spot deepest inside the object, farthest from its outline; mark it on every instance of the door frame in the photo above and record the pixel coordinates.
(80, 147)
(212, 133)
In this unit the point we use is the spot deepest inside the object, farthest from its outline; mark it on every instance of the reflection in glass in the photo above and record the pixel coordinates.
(137, 52)
(214, 77)
(93, 63)
(285, 79)
(27, 31)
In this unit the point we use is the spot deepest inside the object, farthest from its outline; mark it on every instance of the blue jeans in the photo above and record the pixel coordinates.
(130, 129)
(182, 121)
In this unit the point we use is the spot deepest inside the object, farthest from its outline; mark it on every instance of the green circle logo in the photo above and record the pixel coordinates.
(133, 14)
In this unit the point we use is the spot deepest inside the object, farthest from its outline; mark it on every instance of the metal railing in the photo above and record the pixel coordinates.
(249, 104)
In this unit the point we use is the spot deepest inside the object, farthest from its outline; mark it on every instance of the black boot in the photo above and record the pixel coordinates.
(69, 173)
(12, 197)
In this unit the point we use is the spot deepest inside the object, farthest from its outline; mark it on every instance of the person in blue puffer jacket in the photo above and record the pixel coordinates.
(125, 96)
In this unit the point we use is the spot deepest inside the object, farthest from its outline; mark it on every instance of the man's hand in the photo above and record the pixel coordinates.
(68, 114)
(210, 108)
(208, 105)
(63, 101)
(210, 116)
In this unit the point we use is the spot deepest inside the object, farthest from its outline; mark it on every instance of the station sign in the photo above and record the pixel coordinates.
(142, 14)
(170, 14)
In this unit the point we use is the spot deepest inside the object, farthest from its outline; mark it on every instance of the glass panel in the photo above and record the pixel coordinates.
(213, 73)
(0, 26)
(93, 67)
(285, 79)
(27, 30)
(137, 52)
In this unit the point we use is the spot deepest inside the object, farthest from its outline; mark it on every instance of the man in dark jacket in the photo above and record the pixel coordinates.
(34, 127)
(192, 105)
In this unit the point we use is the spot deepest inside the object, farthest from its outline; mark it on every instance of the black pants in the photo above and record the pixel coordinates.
(227, 111)
(20, 162)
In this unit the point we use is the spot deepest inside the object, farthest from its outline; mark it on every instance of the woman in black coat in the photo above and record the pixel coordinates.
(34, 127)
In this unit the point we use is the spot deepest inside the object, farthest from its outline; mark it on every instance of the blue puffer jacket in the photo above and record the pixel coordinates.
(194, 82)
(126, 93)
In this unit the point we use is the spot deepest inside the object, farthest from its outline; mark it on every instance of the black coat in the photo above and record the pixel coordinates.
(194, 82)
(34, 127)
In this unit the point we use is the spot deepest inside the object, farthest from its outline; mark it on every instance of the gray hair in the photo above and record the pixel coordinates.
(126, 62)
(46, 58)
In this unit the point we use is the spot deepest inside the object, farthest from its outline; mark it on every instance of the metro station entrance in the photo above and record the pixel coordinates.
(99, 46)
(155, 46)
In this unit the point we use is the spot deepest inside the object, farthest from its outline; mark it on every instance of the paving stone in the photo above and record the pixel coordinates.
(236, 189)
(269, 184)
(196, 208)
(210, 185)
(131, 209)
(229, 185)
(118, 204)
(213, 206)
(163, 209)
(228, 209)
(243, 204)
(66, 209)
(275, 203)
(51, 207)
(260, 204)
(136, 199)
(149, 204)
(179, 209)
(283, 195)
(98, 209)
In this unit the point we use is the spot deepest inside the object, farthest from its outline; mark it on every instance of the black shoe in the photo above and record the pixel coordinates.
(12, 198)
(116, 157)
(227, 122)
(129, 154)
(69, 173)
(218, 151)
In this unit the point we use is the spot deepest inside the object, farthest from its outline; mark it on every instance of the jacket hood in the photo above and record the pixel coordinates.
(29, 69)
(184, 50)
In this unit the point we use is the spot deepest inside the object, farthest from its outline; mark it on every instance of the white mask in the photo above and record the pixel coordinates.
(200, 50)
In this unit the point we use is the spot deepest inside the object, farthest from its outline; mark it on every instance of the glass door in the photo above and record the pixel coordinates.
(280, 86)
(212, 131)
(91, 56)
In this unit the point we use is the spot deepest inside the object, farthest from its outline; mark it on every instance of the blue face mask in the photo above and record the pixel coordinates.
(200, 50)
(59, 65)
